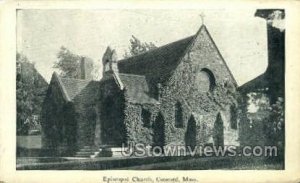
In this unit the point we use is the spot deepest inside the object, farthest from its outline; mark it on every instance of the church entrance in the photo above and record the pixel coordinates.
(190, 135)
(159, 131)
(219, 131)
(111, 123)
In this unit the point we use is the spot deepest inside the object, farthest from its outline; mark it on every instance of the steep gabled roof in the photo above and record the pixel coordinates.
(89, 94)
(137, 89)
(219, 53)
(74, 86)
(70, 87)
(156, 63)
(159, 63)
(139, 74)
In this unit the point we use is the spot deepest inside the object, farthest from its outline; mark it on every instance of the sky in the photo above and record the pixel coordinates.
(240, 37)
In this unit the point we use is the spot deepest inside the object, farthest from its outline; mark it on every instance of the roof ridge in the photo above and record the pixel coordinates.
(149, 51)
(125, 74)
(61, 86)
(64, 83)
(76, 79)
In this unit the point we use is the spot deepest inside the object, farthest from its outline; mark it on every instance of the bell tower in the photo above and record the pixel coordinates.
(109, 61)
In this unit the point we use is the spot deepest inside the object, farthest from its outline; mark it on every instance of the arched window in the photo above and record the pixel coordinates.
(178, 116)
(159, 131)
(233, 117)
(218, 131)
(205, 80)
(106, 65)
(146, 118)
(190, 134)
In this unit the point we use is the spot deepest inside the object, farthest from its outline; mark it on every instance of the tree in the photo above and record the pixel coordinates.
(67, 63)
(137, 47)
(276, 124)
(273, 120)
(30, 90)
(24, 94)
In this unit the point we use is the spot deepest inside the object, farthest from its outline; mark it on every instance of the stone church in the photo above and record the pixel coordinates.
(180, 93)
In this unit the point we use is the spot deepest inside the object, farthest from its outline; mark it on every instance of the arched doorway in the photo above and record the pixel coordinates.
(219, 131)
(190, 135)
(159, 131)
(112, 126)
(107, 119)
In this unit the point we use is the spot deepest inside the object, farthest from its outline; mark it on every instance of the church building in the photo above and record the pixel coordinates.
(181, 93)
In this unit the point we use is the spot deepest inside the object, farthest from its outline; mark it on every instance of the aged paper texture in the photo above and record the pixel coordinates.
(149, 91)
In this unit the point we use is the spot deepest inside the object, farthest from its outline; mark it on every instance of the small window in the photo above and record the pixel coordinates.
(146, 118)
(178, 116)
(233, 117)
(106, 65)
(205, 80)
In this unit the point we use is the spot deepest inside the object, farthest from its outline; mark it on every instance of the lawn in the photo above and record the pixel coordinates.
(149, 163)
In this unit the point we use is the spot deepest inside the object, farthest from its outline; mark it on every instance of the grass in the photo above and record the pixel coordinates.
(213, 163)
(149, 163)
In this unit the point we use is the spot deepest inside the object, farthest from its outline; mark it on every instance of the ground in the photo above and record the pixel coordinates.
(149, 163)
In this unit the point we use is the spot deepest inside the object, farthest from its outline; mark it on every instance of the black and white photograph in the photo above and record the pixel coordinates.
(150, 89)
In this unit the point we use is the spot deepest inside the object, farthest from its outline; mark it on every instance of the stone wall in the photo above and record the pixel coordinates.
(102, 114)
(183, 87)
(231, 135)
(201, 100)
(136, 131)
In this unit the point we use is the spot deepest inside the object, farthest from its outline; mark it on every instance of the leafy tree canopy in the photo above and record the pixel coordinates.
(67, 63)
(30, 90)
(137, 47)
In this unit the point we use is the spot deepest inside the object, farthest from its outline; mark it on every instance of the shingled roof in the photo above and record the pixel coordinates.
(256, 84)
(137, 89)
(70, 87)
(139, 74)
(156, 63)
(74, 86)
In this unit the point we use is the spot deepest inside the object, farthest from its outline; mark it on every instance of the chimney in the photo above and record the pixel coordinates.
(82, 68)
(86, 67)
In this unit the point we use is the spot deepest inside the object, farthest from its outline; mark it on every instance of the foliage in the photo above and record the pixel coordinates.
(258, 102)
(96, 73)
(30, 87)
(24, 107)
(272, 115)
(223, 95)
(20, 58)
(67, 63)
(276, 123)
(137, 47)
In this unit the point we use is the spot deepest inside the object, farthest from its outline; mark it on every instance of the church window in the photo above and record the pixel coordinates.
(146, 118)
(233, 116)
(106, 65)
(178, 116)
(205, 80)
